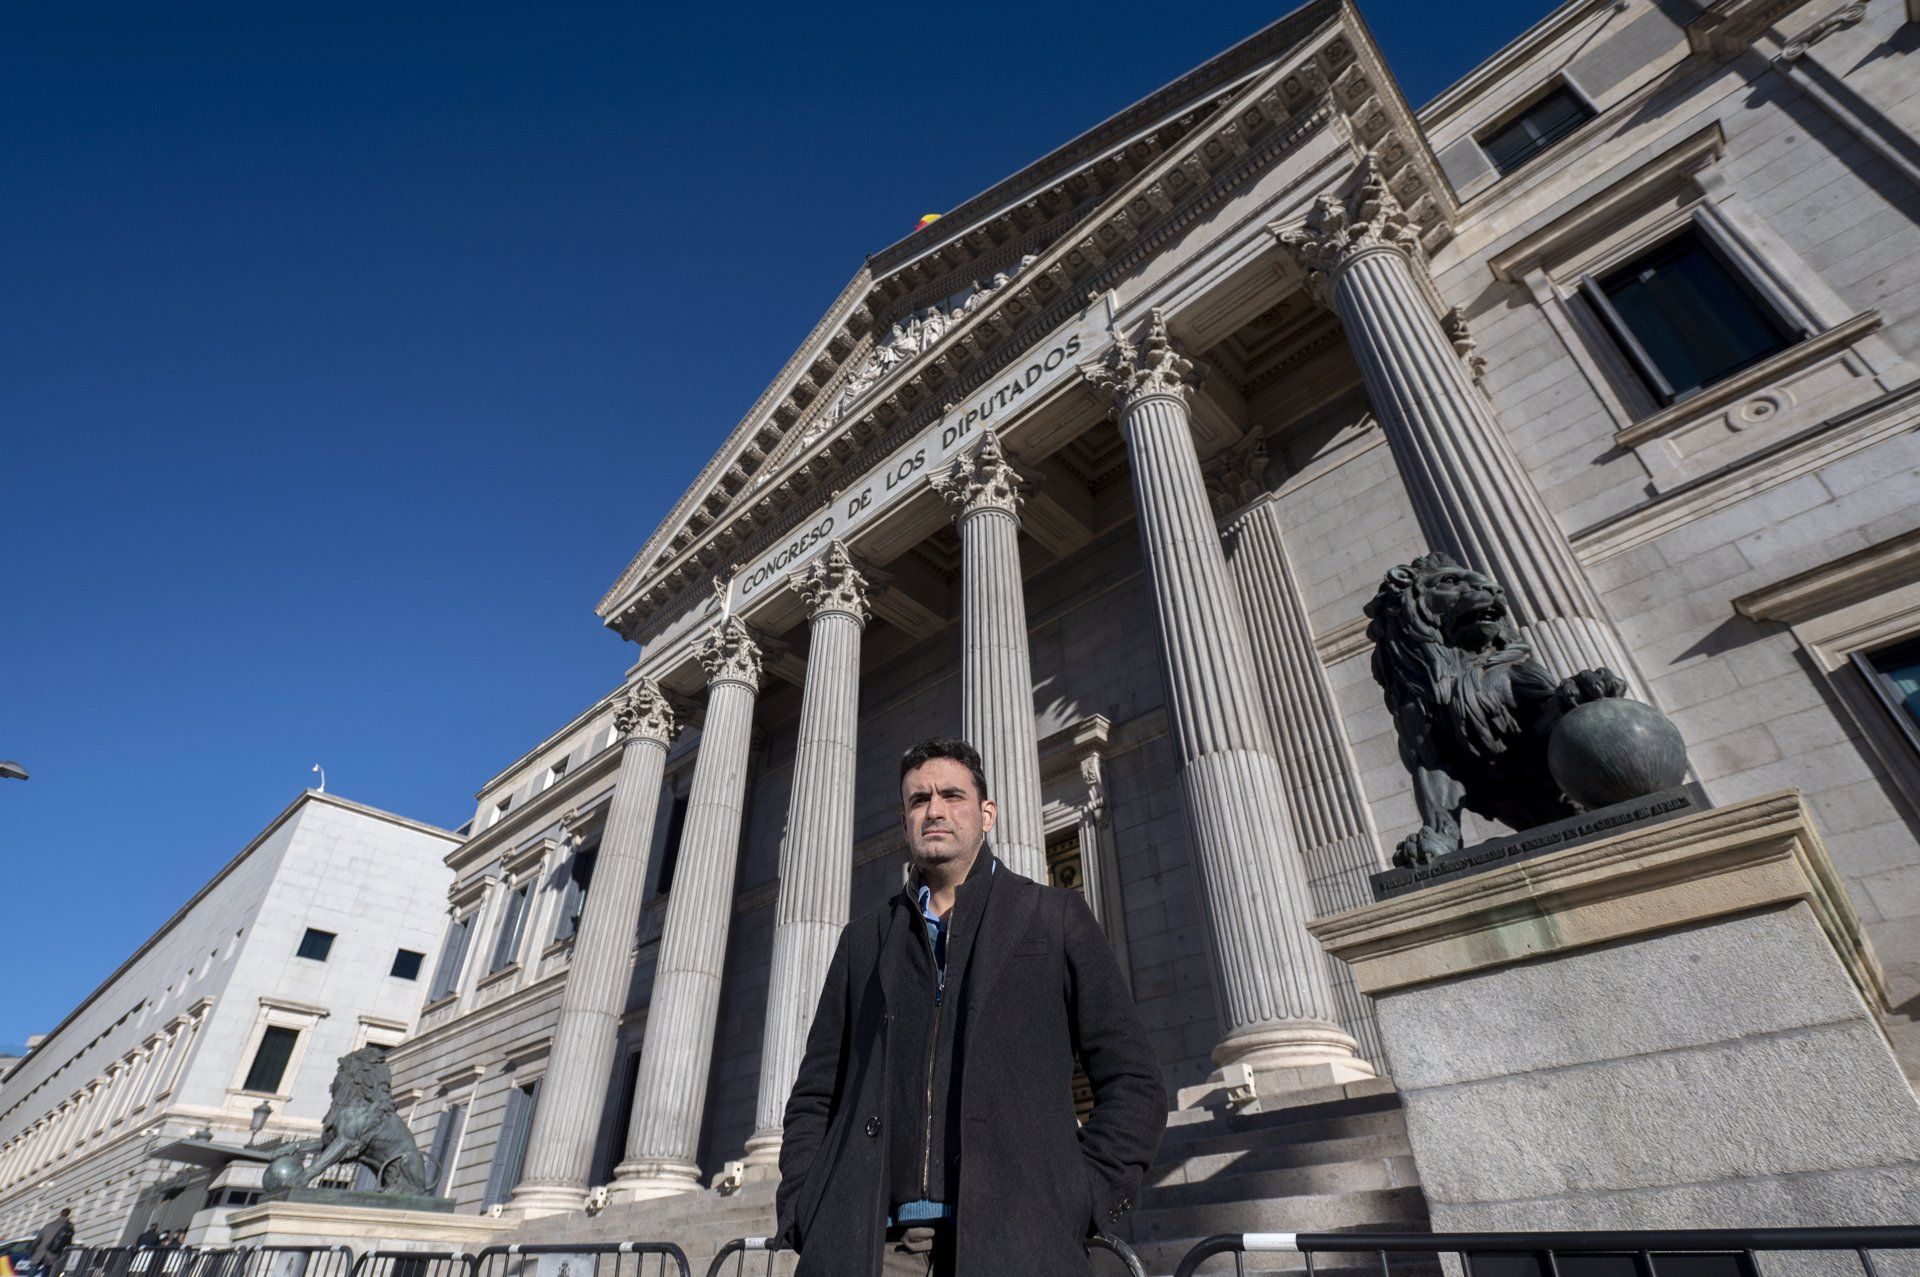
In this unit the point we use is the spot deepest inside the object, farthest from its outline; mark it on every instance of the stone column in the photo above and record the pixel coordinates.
(1274, 1000)
(671, 1088)
(816, 862)
(1362, 256)
(1331, 822)
(996, 679)
(567, 1121)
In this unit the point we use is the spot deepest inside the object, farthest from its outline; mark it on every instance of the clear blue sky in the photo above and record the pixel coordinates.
(347, 352)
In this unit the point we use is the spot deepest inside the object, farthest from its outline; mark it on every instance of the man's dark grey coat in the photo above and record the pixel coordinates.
(1042, 982)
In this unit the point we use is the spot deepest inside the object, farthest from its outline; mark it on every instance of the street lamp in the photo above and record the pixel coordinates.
(10, 770)
(261, 1112)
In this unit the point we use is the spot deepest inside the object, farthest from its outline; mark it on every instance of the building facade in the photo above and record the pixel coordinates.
(1099, 470)
(312, 942)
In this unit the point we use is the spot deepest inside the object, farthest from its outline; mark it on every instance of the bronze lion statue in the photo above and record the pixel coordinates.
(361, 1127)
(1472, 706)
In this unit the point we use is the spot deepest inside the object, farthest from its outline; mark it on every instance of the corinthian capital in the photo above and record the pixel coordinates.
(645, 713)
(729, 654)
(980, 480)
(833, 583)
(1154, 367)
(1339, 228)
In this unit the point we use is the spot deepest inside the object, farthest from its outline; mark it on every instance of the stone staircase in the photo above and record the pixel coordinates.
(1335, 1160)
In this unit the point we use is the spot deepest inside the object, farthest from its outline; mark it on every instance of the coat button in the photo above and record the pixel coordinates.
(873, 1127)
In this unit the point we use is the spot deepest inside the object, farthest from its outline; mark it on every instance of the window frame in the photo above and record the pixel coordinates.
(325, 944)
(512, 931)
(1791, 321)
(419, 964)
(1518, 116)
(454, 947)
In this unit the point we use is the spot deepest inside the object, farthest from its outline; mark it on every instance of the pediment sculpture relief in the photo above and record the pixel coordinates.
(907, 341)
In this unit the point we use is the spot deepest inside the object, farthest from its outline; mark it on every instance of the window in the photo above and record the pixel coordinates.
(1685, 317)
(507, 947)
(573, 897)
(316, 944)
(510, 1150)
(445, 1149)
(558, 770)
(406, 964)
(453, 955)
(670, 854)
(270, 1060)
(1894, 673)
(1536, 128)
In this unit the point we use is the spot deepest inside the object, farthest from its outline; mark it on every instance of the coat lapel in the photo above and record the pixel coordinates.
(1010, 909)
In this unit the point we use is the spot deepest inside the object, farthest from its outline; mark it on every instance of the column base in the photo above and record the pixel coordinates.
(1272, 1060)
(762, 1159)
(535, 1200)
(644, 1179)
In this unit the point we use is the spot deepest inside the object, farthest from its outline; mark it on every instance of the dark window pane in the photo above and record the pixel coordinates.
(316, 944)
(1898, 671)
(1692, 315)
(676, 823)
(270, 1061)
(406, 964)
(1535, 129)
(574, 898)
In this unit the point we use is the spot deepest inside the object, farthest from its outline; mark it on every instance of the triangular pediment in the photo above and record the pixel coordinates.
(930, 316)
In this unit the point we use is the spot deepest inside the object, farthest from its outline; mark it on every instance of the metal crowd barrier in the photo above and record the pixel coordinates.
(295, 1261)
(740, 1247)
(72, 1260)
(1710, 1252)
(599, 1259)
(415, 1263)
(218, 1261)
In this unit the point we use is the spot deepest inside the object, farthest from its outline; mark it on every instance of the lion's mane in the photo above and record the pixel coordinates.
(1415, 664)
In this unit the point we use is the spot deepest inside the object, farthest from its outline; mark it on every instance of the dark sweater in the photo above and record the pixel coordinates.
(925, 1043)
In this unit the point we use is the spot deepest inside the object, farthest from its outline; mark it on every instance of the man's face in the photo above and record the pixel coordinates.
(945, 818)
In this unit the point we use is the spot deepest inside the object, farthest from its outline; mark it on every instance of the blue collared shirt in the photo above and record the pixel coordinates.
(937, 932)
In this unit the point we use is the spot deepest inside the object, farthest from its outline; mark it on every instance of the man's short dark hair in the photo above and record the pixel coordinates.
(946, 747)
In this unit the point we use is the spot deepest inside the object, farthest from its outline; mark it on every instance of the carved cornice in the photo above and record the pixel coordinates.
(645, 714)
(729, 654)
(833, 583)
(1153, 368)
(981, 480)
(1340, 228)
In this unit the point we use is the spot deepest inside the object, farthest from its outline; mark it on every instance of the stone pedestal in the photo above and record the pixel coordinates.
(363, 1228)
(1673, 1028)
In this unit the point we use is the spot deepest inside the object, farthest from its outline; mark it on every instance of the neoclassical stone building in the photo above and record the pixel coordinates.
(1099, 469)
(223, 1027)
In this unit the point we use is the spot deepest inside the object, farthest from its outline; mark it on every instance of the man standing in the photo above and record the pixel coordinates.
(52, 1241)
(931, 1128)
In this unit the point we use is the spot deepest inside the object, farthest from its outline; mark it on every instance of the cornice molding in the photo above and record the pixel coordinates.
(1863, 574)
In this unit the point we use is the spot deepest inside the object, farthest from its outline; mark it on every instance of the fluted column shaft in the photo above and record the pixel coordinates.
(1473, 498)
(816, 862)
(996, 670)
(1331, 821)
(1269, 977)
(567, 1122)
(670, 1088)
